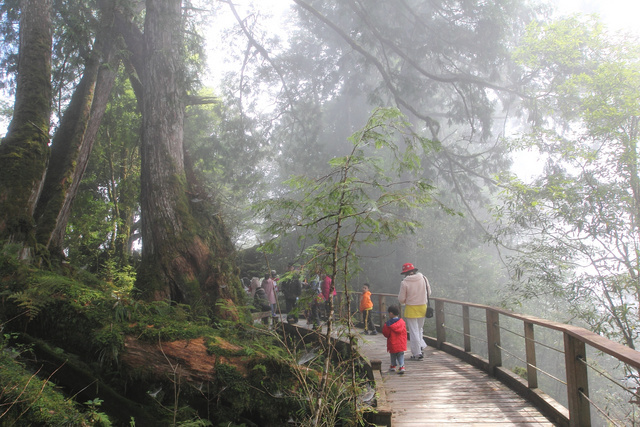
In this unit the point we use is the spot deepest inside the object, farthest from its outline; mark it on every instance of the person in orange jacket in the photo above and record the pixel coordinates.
(366, 308)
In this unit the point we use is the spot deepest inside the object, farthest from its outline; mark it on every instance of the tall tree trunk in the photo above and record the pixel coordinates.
(74, 140)
(126, 200)
(24, 151)
(177, 243)
(164, 205)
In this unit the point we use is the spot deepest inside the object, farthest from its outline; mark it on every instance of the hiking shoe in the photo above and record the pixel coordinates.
(418, 357)
(401, 370)
(373, 333)
(392, 368)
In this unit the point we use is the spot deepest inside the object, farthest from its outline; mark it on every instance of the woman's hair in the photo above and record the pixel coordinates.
(394, 309)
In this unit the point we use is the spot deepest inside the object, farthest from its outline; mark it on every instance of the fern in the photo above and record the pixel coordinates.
(30, 302)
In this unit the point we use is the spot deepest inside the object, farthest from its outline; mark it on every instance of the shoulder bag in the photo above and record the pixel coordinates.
(429, 313)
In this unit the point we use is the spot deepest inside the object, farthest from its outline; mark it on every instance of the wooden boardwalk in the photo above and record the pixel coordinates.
(443, 390)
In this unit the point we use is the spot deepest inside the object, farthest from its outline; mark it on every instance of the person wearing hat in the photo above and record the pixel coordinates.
(414, 294)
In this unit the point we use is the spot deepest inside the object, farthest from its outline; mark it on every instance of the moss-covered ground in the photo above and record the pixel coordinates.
(79, 351)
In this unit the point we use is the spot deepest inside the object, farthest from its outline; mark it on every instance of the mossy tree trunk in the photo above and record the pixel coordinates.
(24, 152)
(74, 139)
(184, 258)
(40, 182)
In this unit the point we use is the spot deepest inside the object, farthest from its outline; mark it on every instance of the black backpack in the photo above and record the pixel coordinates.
(260, 300)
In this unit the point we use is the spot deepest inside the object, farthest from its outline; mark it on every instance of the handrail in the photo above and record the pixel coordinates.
(575, 341)
(612, 348)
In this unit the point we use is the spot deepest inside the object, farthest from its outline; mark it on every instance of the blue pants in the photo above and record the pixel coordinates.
(397, 359)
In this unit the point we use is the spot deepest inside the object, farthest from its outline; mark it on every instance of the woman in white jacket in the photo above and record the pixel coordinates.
(414, 294)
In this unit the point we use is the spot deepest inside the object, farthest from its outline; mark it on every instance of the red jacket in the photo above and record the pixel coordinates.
(395, 330)
(326, 286)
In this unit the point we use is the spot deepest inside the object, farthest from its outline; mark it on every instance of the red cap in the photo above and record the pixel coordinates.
(407, 268)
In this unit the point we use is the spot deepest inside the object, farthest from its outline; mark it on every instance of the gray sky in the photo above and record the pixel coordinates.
(616, 14)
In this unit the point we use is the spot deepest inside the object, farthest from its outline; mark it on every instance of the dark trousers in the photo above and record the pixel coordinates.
(291, 305)
(368, 321)
(315, 314)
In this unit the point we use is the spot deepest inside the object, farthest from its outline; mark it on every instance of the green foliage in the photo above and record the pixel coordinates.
(46, 288)
(96, 417)
(226, 158)
(109, 342)
(359, 193)
(27, 400)
(361, 201)
(576, 224)
(358, 202)
(103, 215)
(521, 372)
(13, 272)
(91, 323)
(159, 320)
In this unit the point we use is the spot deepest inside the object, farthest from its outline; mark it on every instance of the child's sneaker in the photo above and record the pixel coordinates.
(401, 370)
(392, 368)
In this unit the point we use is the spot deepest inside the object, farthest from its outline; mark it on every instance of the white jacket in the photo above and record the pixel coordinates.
(414, 290)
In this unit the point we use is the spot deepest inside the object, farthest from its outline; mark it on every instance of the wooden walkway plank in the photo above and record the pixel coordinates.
(442, 390)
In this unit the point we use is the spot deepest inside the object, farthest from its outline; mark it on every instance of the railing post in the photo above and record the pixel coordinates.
(383, 309)
(466, 328)
(441, 333)
(530, 352)
(493, 340)
(575, 357)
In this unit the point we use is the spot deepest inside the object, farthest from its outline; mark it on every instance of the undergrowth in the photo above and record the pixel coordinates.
(86, 321)
(28, 400)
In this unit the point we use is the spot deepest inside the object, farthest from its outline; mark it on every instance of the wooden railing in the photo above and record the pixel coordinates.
(576, 343)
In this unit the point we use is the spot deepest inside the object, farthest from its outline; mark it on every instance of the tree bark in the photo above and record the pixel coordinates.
(177, 237)
(188, 359)
(134, 39)
(164, 206)
(74, 140)
(24, 152)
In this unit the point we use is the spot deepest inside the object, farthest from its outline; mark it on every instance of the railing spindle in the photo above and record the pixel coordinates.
(466, 328)
(493, 340)
(441, 333)
(382, 301)
(530, 351)
(577, 381)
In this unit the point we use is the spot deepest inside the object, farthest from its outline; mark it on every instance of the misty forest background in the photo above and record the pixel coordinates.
(126, 168)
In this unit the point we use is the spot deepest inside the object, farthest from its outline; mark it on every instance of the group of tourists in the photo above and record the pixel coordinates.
(316, 290)
(414, 294)
(263, 292)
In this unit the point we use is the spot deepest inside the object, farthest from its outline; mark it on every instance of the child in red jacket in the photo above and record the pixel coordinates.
(395, 330)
